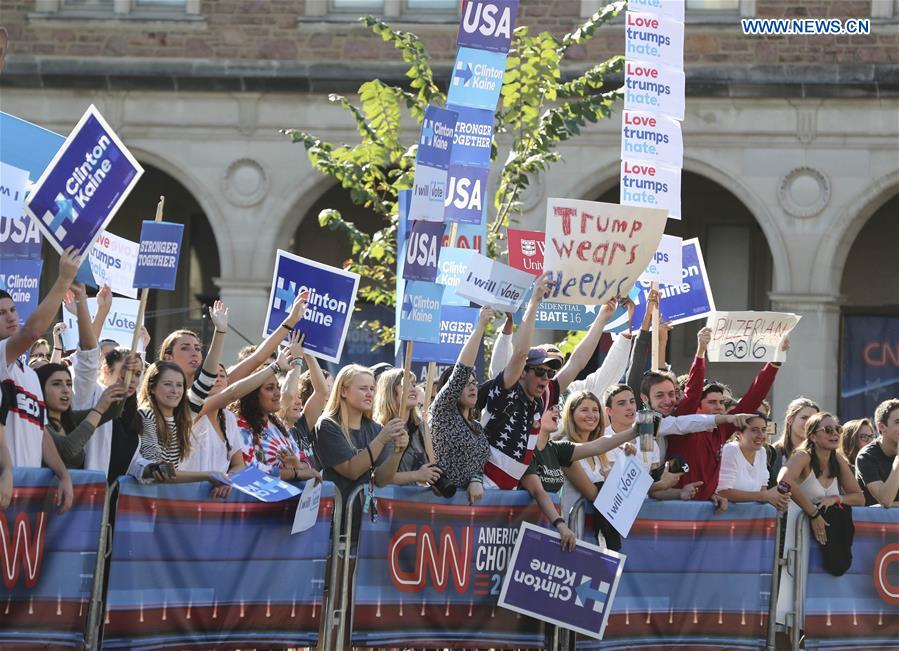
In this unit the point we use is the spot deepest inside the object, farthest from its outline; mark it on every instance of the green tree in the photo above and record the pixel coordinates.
(538, 110)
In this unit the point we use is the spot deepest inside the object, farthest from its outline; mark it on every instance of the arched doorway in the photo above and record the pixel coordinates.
(738, 260)
(869, 359)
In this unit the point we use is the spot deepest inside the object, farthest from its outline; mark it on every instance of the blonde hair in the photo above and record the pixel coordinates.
(568, 429)
(336, 409)
(387, 406)
(786, 440)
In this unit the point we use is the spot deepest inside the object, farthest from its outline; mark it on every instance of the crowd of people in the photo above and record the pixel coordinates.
(538, 423)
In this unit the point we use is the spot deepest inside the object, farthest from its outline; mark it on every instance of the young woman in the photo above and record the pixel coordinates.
(39, 353)
(545, 474)
(417, 465)
(744, 471)
(582, 422)
(352, 447)
(460, 445)
(798, 412)
(303, 397)
(820, 478)
(71, 429)
(856, 435)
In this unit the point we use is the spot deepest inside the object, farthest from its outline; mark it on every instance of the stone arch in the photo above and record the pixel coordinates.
(294, 207)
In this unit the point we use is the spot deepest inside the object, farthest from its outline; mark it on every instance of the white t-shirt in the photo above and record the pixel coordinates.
(737, 473)
(207, 449)
(26, 413)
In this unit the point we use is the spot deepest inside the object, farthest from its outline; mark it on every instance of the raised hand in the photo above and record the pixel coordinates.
(298, 309)
(703, 339)
(69, 262)
(485, 315)
(58, 329)
(104, 297)
(542, 287)
(112, 394)
(218, 314)
(295, 344)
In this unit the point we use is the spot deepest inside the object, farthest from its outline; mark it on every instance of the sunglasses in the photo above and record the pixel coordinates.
(542, 371)
(829, 430)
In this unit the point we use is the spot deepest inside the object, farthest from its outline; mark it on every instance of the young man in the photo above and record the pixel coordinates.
(877, 465)
(28, 442)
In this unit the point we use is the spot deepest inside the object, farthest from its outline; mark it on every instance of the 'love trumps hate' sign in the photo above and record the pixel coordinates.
(596, 251)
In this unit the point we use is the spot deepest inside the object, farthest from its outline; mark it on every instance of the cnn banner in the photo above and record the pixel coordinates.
(693, 578)
(48, 559)
(188, 571)
(430, 571)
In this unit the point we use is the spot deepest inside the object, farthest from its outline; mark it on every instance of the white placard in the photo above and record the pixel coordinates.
(490, 283)
(653, 138)
(658, 39)
(666, 263)
(649, 185)
(654, 88)
(668, 8)
(119, 324)
(13, 184)
(307, 507)
(112, 259)
(622, 494)
(749, 336)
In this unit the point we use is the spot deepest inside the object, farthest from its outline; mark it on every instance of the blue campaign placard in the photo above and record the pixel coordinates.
(466, 200)
(84, 185)
(473, 137)
(571, 589)
(22, 280)
(469, 236)
(451, 269)
(435, 142)
(157, 258)
(456, 324)
(421, 251)
(477, 78)
(487, 24)
(264, 487)
(420, 312)
(329, 308)
(19, 238)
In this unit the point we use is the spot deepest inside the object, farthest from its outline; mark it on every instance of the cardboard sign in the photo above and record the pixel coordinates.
(477, 78)
(332, 295)
(473, 136)
(470, 236)
(112, 260)
(158, 255)
(667, 8)
(488, 282)
(21, 279)
(84, 185)
(526, 250)
(19, 238)
(653, 87)
(456, 325)
(651, 185)
(623, 492)
(118, 326)
(420, 312)
(596, 251)
(265, 488)
(307, 507)
(435, 141)
(422, 251)
(13, 185)
(428, 194)
(487, 24)
(654, 138)
(749, 336)
(451, 270)
(667, 262)
(653, 38)
(466, 196)
(574, 590)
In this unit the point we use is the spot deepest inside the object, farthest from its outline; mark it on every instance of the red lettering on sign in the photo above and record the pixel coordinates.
(22, 549)
(642, 21)
(888, 592)
(639, 120)
(641, 71)
(880, 353)
(440, 559)
(636, 168)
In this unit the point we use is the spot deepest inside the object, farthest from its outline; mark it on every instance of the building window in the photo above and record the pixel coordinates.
(696, 10)
(413, 10)
(713, 5)
(885, 9)
(119, 8)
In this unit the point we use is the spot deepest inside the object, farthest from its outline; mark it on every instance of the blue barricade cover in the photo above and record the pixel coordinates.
(188, 570)
(430, 571)
(692, 578)
(859, 610)
(48, 559)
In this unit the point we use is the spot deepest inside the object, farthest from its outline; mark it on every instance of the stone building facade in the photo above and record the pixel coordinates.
(791, 162)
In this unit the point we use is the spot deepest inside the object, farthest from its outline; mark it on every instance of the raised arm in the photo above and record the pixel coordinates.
(531, 483)
(245, 386)
(469, 352)
(36, 324)
(104, 304)
(66, 492)
(56, 355)
(582, 353)
(603, 444)
(641, 349)
(270, 344)
(689, 404)
(291, 385)
(513, 370)
(5, 471)
(502, 348)
(87, 340)
(315, 404)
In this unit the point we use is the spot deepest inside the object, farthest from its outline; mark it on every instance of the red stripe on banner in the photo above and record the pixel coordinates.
(164, 507)
(23, 496)
(890, 529)
(441, 616)
(882, 625)
(530, 512)
(683, 624)
(758, 527)
(45, 615)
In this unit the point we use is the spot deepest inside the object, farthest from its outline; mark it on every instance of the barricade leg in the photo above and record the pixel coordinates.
(775, 585)
(104, 545)
(346, 545)
(331, 585)
(799, 577)
(567, 640)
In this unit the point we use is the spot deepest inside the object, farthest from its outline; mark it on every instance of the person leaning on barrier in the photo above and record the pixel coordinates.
(856, 434)
(877, 465)
(744, 470)
(303, 398)
(797, 414)
(459, 441)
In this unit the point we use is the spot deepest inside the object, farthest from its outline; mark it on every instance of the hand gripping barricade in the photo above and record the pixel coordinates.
(691, 577)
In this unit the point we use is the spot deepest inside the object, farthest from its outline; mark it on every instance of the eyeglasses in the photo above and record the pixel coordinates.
(542, 371)
(829, 429)
(866, 436)
(471, 383)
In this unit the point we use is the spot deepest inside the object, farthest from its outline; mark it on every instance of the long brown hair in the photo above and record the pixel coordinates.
(786, 442)
(850, 443)
(183, 417)
(168, 344)
(833, 464)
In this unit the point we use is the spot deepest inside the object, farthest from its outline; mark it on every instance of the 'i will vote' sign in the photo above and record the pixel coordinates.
(84, 185)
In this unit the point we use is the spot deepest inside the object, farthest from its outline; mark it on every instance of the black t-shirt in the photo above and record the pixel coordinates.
(547, 464)
(306, 442)
(332, 448)
(872, 464)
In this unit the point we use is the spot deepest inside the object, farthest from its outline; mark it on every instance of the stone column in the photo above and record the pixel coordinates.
(813, 365)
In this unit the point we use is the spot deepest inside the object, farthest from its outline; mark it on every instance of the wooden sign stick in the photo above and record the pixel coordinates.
(656, 326)
(407, 371)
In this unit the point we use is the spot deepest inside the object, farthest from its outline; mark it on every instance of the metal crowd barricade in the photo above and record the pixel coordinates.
(328, 619)
(795, 620)
(344, 546)
(104, 550)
